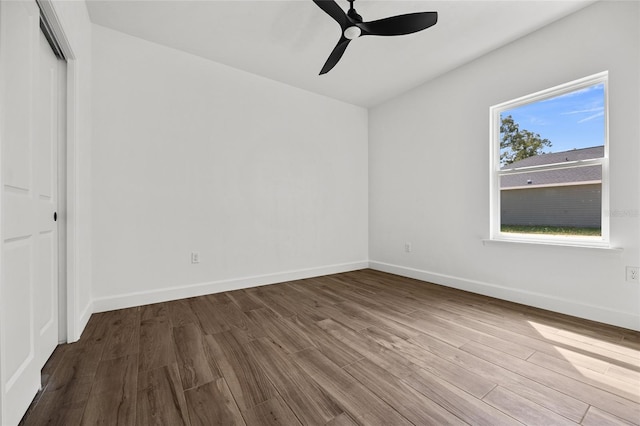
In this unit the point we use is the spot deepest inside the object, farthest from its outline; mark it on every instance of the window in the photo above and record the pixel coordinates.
(549, 168)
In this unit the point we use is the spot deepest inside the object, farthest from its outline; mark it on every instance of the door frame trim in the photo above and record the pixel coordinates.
(73, 317)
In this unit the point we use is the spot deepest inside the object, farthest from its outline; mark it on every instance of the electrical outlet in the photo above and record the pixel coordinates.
(633, 274)
(407, 247)
(195, 257)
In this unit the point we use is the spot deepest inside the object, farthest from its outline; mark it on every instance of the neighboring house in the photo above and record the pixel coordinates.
(565, 197)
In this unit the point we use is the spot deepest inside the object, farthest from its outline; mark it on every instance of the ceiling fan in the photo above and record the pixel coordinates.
(353, 27)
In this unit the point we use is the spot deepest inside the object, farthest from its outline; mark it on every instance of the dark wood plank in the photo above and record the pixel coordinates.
(357, 401)
(112, 400)
(63, 406)
(463, 378)
(191, 356)
(160, 399)
(123, 335)
(393, 362)
(244, 376)
(212, 404)
(210, 318)
(235, 318)
(244, 301)
(452, 323)
(156, 343)
(270, 297)
(273, 412)
(411, 404)
(330, 347)
(180, 313)
(284, 333)
(155, 310)
(310, 404)
(342, 420)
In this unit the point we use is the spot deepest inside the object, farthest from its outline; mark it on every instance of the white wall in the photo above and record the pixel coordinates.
(429, 172)
(267, 182)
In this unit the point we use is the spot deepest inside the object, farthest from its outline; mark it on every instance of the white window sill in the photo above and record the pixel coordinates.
(556, 243)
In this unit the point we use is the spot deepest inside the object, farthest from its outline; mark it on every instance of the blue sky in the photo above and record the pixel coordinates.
(572, 120)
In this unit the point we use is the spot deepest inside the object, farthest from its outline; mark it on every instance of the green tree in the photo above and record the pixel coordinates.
(517, 144)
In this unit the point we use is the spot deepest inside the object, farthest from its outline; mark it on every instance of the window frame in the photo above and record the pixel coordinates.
(495, 172)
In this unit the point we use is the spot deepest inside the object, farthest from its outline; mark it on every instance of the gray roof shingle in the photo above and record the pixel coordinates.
(555, 177)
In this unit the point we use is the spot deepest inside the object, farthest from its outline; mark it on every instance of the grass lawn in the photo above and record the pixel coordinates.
(551, 230)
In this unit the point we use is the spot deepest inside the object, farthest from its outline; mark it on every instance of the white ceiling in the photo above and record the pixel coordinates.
(289, 40)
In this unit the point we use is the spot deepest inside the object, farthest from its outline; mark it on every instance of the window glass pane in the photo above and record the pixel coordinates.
(566, 125)
(565, 201)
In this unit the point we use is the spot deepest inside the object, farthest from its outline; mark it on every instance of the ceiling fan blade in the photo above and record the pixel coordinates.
(399, 25)
(332, 9)
(335, 55)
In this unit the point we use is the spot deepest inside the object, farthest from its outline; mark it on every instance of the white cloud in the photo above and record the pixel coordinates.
(583, 111)
(591, 117)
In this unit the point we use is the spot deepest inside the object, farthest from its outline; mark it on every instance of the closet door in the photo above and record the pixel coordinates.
(28, 261)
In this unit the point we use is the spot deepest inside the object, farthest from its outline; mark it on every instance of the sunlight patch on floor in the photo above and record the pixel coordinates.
(604, 364)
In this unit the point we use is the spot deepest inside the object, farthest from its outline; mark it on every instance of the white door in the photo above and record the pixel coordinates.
(28, 285)
(45, 157)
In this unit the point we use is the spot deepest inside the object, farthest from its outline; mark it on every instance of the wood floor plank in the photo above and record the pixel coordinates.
(123, 335)
(272, 299)
(112, 400)
(234, 317)
(160, 399)
(210, 318)
(64, 399)
(416, 407)
(155, 310)
(395, 363)
(625, 374)
(307, 400)
(559, 402)
(156, 343)
(311, 294)
(244, 301)
(456, 401)
(62, 406)
(542, 338)
(606, 401)
(463, 378)
(522, 409)
(241, 371)
(453, 324)
(180, 313)
(273, 412)
(596, 417)
(342, 420)
(358, 401)
(98, 328)
(191, 356)
(285, 333)
(610, 384)
(212, 404)
(330, 347)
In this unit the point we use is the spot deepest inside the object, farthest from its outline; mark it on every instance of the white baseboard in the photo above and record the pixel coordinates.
(84, 319)
(538, 300)
(180, 292)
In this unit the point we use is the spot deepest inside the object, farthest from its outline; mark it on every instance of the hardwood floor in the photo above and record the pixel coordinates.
(361, 347)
